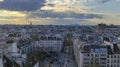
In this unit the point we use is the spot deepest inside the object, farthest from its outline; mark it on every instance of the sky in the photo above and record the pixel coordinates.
(83, 12)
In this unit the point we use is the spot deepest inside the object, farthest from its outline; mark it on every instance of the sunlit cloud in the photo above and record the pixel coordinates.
(108, 19)
(65, 5)
(10, 17)
(1, 0)
(6, 13)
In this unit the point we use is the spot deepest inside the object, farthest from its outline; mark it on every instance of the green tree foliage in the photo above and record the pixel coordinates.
(34, 57)
(10, 41)
(35, 37)
(94, 63)
(50, 65)
(68, 40)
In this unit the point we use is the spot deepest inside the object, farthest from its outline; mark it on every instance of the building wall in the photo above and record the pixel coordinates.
(48, 45)
(113, 60)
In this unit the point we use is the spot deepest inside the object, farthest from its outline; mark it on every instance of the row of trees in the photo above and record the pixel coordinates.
(35, 57)
(68, 40)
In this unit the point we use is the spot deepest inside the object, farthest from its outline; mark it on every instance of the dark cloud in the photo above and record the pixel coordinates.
(51, 5)
(65, 21)
(51, 14)
(104, 1)
(22, 5)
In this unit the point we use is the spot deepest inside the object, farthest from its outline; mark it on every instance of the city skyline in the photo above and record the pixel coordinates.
(85, 12)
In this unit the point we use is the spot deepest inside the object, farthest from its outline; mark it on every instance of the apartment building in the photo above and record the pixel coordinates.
(46, 43)
(96, 55)
(50, 43)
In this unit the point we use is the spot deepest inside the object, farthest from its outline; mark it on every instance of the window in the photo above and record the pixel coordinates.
(103, 54)
(108, 65)
(111, 65)
(86, 62)
(86, 54)
(108, 61)
(92, 50)
(118, 56)
(96, 50)
(91, 54)
(86, 58)
(91, 59)
(114, 61)
(96, 55)
(103, 49)
(111, 61)
(102, 58)
(111, 56)
(117, 61)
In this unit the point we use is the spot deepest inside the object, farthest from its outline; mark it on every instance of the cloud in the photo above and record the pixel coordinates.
(22, 5)
(58, 21)
(104, 1)
(1, 0)
(67, 17)
(65, 5)
(10, 17)
(51, 14)
(55, 11)
(11, 14)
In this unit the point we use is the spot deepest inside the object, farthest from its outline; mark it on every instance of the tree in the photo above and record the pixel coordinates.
(35, 37)
(34, 57)
(94, 63)
(10, 41)
(50, 65)
(68, 40)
